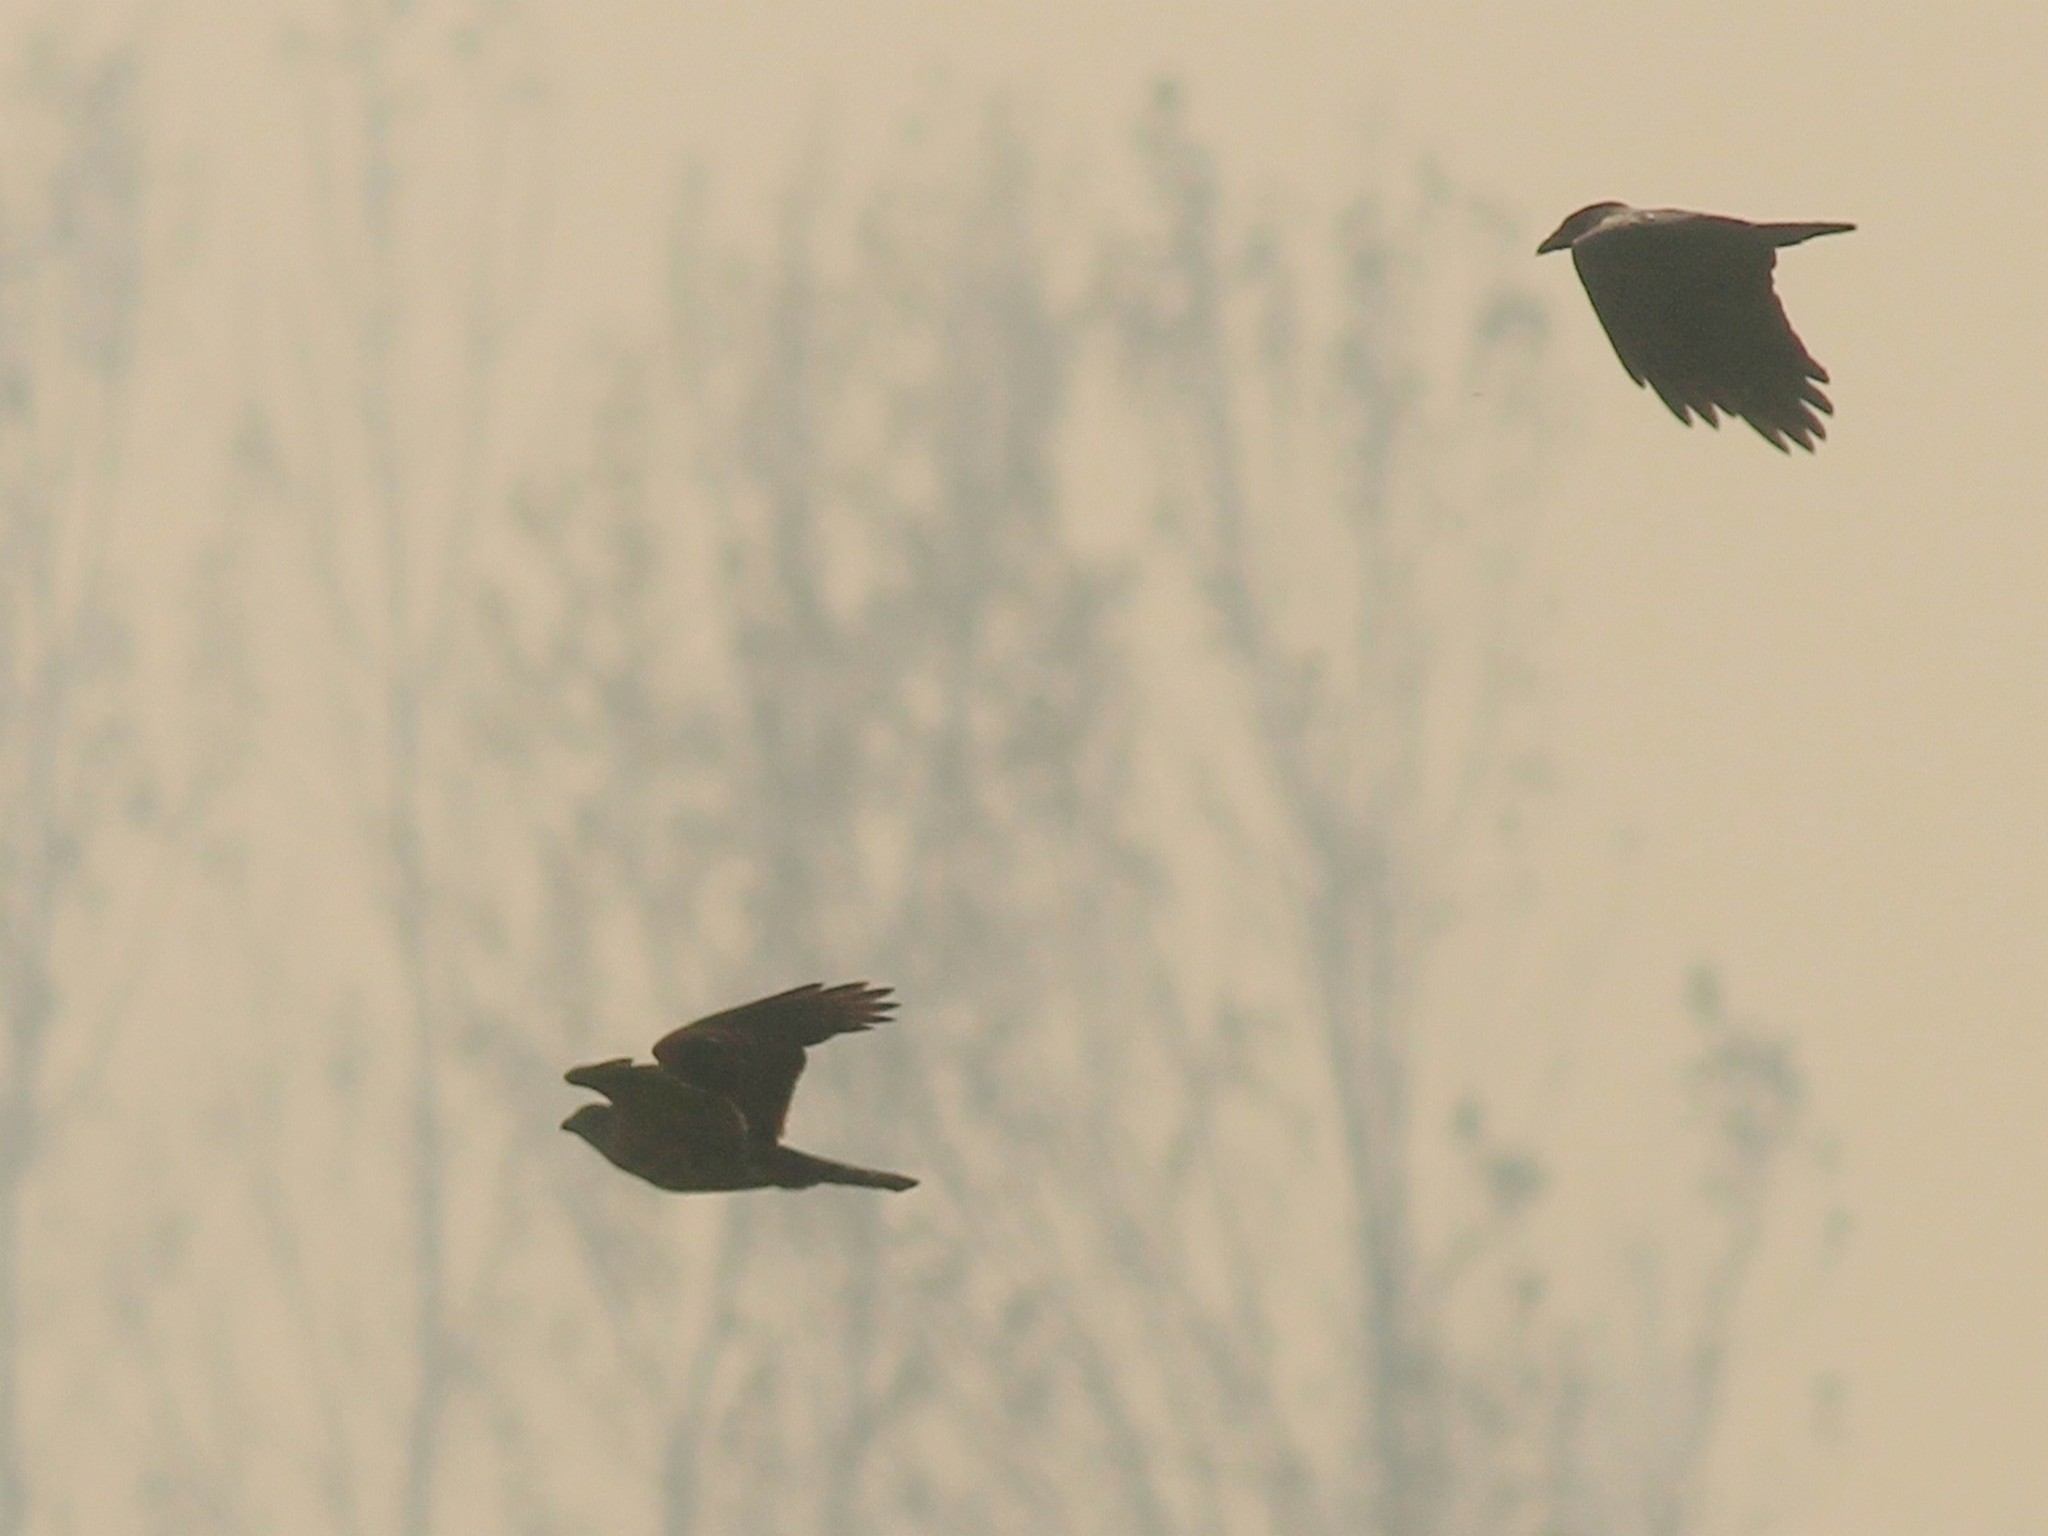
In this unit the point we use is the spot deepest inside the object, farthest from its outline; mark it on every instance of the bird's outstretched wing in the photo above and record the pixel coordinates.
(658, 1108)
(752, 1055)
(1689, 304)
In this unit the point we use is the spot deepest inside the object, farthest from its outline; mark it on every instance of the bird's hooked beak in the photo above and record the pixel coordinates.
(1557, 240)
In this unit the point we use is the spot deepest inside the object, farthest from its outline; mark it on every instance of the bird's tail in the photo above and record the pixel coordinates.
(1793, 234)
(800, 1170)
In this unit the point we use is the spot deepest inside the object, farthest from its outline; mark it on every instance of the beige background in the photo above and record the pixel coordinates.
(1817, 688)
(1808, 695)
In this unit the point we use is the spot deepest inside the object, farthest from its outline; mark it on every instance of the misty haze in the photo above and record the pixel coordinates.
(1411, 950)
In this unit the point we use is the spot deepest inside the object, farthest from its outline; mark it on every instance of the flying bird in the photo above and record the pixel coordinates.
(708, 1113)
(1687, 301)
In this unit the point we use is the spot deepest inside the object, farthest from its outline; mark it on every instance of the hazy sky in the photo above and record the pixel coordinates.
(1814, 689)
(1817, 687)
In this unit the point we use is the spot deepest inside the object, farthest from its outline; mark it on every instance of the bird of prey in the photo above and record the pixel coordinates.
(708, 1114)
(1687, 301)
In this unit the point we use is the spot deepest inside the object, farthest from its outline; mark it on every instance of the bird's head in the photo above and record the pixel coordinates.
(1588, 217)
(593, 1122)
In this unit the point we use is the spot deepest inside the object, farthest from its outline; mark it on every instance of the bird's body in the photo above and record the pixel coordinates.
(708, 1115)
(1688, 302)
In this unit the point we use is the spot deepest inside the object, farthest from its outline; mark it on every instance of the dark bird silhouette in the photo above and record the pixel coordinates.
(708, 1115)
(1687, 301)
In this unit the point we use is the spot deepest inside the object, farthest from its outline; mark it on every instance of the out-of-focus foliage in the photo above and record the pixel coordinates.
(1095, 611)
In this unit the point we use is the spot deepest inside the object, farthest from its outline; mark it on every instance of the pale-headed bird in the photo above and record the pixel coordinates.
(1687, 300)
